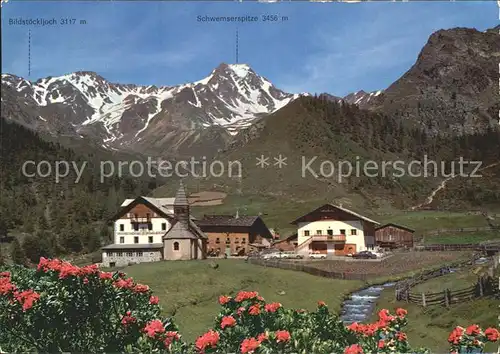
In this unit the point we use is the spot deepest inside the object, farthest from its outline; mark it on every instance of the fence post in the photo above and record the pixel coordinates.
(423, 300)
(446, 298)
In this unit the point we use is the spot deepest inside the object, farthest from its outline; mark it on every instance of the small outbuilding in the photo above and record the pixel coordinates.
(394, 236)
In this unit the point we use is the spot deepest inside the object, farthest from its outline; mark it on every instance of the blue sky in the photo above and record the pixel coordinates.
(323, 47)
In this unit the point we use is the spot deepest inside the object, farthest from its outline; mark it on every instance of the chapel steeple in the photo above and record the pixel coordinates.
(181, 204)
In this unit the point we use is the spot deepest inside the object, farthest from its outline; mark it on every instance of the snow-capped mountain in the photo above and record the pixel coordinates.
(361, 98)
(86, 104)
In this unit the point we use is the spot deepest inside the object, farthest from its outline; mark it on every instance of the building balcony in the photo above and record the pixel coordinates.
(134, 220)
(140, 232)
(333, 238)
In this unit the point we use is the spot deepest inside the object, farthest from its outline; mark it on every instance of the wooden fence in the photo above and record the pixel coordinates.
(486, 285)
(493, 247)
(464, 229)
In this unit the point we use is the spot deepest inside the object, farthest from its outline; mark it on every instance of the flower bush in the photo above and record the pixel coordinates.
(59, 307)
(471, 339)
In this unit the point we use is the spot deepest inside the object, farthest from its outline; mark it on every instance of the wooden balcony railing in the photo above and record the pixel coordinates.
(140, 220)
(341, 238)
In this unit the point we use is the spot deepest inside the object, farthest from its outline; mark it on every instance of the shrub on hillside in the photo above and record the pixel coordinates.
(59, 307)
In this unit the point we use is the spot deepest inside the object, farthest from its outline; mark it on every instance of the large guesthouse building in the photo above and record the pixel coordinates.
(153, 229)
(334, 230)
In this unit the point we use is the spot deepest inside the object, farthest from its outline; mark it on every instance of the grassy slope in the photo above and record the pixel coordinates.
(296, 132)
(191, 289)
(462, 279)
(430, 220)
(463, 237)
(431, 326)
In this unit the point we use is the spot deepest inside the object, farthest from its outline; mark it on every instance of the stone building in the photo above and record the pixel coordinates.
(235, 235)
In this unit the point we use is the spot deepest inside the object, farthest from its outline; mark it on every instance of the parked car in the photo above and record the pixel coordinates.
(317, 256)
(274, 255)
(379, 254)
(364, 255)
(291, 255)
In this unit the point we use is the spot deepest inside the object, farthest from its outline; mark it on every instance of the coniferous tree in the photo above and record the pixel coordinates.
(2, 258)
(70, 238)
(32, 248)
(17, 253)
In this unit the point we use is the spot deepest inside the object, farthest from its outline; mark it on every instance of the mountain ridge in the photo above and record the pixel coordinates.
(231, 97)
(449, 89)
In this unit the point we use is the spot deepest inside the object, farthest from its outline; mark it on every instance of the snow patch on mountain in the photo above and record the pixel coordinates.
(232, 97)
(240, 69)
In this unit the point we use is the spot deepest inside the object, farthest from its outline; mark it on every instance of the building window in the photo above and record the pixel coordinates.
(390, 237)
(130, 254)
(122, 227)
(136, 227)
(329, 232)
(150, 226)
(163, 226)
(176, 246)
(306, 233)
(150, 239)
(354, 232)
(243, 240)
(342, 232)
(122, 239)
(318, 232)
(119, 254)
(139, 254)
(217, 240)
(109, 253)
(136, 239)
(237, 240)
(228, 241)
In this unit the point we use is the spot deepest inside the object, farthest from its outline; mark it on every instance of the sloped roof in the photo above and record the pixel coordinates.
(183, 230)
(227, 220)
(147, 201)
(157, 201)
(342, 209)
(163, 205)
(396, 226)
(292, 237)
